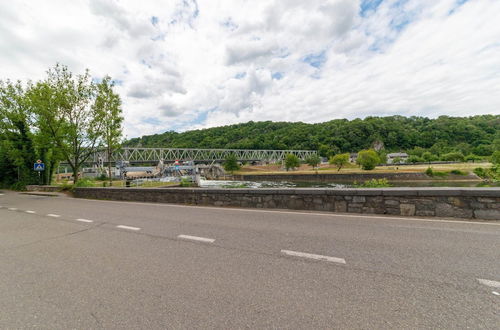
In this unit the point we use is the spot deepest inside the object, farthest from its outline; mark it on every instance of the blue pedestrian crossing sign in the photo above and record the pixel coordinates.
(39, 166)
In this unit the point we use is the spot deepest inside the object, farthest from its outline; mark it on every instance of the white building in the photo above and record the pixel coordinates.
(403, 157)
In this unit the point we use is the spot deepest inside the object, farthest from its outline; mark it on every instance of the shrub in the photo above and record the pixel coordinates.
(313, 161)
(84, 183)
(495, 158)
(457, 172)
(429, 171)
(368, 159)
(373, 183)
(415, 159)
(231, 164)
(291, 161)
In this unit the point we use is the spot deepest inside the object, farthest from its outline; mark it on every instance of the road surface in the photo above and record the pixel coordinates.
(84, 264)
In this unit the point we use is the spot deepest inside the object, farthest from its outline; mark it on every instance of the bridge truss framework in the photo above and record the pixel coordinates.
(148, 155)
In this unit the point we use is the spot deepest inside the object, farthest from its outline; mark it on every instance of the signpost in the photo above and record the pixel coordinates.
(39, 167)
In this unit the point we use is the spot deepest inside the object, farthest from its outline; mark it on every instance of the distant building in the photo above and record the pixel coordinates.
(353, 157)
(403, 157)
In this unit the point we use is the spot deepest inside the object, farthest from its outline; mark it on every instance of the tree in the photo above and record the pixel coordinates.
(291, 161)
(313, 161)
(74, 120)
(108, 107)
(17, 152)
(453, 156)
(473, 158)
(339, 160)
(231, 164)
(368, 159)
(428, 157)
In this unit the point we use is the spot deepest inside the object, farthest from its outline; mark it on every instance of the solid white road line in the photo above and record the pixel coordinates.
(493, 284)
(53, 215)
(12, 209)
(313, 256)
(30, 212)
(84, 220)
(128, 227)
(196, 238)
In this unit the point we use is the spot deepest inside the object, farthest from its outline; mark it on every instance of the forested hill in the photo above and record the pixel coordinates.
(478, 134)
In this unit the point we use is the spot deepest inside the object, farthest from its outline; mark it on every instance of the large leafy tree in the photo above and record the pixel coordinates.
(368, 159)
(339, 160)
(17, 151)
(74, 119)
(109, 111)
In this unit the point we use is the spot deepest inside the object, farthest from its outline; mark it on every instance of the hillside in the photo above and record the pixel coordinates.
(478, 134)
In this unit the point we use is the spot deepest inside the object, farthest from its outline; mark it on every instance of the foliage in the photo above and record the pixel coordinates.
(488, 174)
(453, 156)
(495, 158)
(429, 171)
(373, 183)
(415, 159)
(61, 117)
(84, 182)
(339, 160)
(108, 105)
(291, 161)
(473, 158)
(187, 183)
(231, 164)
(458, 172)
(416, 135)
(313, 161)
(17, 142)
(428, 157)
(368, 159)
(397, 160)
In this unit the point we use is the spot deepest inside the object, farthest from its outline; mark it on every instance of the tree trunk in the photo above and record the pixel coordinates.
(109, 168)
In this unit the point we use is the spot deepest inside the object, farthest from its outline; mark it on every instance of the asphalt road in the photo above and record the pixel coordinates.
(83, 264)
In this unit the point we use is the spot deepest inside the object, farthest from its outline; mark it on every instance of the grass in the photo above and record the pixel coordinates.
(85, 182)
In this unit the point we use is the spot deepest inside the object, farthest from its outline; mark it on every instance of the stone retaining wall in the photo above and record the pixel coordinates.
(43, 188)
(467, 203)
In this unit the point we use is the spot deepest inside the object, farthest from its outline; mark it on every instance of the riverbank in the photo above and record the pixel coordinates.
(352, 177)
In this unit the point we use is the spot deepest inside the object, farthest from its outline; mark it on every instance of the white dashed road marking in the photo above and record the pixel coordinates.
(493, 284)
(495, 293)
(128, 227)
(196, 238)
(2, 194)
(12, 209)
(313, 256)
(84, 220)
(53, 215)
(30, 212)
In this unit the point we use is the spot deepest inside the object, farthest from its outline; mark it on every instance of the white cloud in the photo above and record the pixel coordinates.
(188, 64)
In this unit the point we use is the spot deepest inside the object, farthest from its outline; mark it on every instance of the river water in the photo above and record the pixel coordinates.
(295, 184)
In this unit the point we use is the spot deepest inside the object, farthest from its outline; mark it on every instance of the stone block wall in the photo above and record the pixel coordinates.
(465, 203)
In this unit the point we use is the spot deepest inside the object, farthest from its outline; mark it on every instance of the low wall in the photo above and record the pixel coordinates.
(347, 177)
(43, 188)
(467, 203)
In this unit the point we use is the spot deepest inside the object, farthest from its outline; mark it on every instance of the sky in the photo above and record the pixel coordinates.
(190, 64)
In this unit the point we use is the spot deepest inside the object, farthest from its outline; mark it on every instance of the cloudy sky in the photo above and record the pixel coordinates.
(185, 64)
